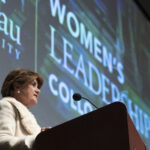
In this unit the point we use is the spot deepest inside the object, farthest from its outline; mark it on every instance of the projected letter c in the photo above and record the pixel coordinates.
(52, 79)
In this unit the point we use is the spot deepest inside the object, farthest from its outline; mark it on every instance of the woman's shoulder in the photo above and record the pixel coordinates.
(12, 104)
(5, 102)
(6, 108)
(10, 101)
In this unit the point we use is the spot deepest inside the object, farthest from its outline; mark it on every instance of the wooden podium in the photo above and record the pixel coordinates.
(107, 128)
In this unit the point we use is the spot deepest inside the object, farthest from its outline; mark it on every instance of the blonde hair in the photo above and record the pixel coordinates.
(21, 77)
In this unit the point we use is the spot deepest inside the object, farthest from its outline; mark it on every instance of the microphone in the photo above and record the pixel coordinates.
(78, 97)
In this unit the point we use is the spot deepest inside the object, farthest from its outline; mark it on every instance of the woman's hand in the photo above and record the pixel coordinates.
(45, 128)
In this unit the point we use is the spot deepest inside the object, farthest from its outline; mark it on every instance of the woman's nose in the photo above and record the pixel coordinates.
(37, 90)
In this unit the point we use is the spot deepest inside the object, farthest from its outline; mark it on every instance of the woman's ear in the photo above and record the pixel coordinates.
(16, 86)
(15, 90)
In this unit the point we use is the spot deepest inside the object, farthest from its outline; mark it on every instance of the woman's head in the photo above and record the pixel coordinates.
(17, 82)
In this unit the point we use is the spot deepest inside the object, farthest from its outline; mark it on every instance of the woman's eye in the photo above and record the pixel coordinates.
(33, 83)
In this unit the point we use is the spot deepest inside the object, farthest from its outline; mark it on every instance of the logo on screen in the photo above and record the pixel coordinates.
(3, 1)
(22, 4)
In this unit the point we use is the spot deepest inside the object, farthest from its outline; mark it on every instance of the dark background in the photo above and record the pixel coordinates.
(144, 5)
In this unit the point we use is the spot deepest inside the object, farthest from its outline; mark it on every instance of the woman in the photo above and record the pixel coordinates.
(18, 127)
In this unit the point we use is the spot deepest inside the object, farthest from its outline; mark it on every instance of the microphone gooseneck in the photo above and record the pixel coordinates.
(78, 97)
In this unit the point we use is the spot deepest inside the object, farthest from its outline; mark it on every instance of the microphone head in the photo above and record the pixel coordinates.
(77, 96)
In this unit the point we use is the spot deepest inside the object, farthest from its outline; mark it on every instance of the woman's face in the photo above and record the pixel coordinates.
(28, 95)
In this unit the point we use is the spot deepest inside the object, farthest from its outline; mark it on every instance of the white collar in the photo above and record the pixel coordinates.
(26, 117)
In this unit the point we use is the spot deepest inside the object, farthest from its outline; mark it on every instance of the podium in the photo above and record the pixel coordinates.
(107, 128)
